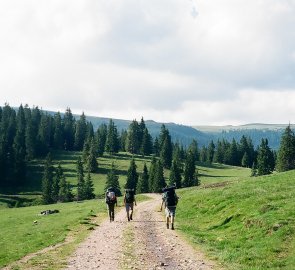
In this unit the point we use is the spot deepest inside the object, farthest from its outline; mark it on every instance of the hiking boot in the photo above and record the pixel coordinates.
(128, 219)
(172, 226)
(131, 217)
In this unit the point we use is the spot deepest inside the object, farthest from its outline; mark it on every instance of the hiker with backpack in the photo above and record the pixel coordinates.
(169, 200)
(111, 200)
(129, 201)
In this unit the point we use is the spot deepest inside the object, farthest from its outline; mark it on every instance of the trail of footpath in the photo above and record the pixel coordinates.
(151, 245)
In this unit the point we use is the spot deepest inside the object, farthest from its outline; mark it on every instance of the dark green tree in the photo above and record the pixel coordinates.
(64, 192)
(286, 153)
(81, 181)
(152, 174)
(159, 180)
(146, 148)
(132, 176)
(210, 152)
(69, 130)
(58, 140)
(56, 183)
(165, 147)
(175, 175)
(190, 176)
(112, 141)
(19, 149)
(92, 164)
(143, 183)
(132, 141)
(193, 147)
(113, 180)
(101, 137)
(156, 147)
(89, 189)
(44, 135)
(47, 181)
(265, 160)
(80, 132)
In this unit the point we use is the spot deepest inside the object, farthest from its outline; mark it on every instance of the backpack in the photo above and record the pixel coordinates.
(129, 196)
(170, 197)
(111, 197)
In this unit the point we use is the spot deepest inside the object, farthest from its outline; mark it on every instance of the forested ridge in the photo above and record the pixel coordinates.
(28, 133)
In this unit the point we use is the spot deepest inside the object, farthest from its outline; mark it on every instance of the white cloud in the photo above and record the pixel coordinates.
(170, 60)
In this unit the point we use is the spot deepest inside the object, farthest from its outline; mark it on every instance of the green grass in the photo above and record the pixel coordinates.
(217, 173)
(248, 224)
(24, 231)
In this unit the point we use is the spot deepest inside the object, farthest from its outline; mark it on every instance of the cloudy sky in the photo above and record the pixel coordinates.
(192, 62)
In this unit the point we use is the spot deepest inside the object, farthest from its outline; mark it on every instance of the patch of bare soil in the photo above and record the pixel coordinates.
(143, 243)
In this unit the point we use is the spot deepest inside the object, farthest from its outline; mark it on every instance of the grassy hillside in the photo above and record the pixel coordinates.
(247, 224)
(24, 230)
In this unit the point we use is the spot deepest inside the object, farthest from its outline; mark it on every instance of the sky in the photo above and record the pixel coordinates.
(191, 62)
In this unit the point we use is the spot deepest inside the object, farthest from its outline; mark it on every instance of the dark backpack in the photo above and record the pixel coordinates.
(170, 197)
(129, 196)
(110, 197)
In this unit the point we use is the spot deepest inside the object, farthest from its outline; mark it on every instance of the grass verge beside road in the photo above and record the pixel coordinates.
(247, 224)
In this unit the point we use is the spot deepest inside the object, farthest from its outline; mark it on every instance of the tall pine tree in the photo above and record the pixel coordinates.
(143, 183)
(132, 176)
(286, 153)
(47, 181)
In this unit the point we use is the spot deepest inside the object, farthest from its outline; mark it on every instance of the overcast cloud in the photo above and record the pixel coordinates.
(184, 61)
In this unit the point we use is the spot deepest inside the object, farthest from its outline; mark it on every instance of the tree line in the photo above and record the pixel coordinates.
(29, 133)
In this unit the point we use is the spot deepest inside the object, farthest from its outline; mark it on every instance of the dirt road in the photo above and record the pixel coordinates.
(144, 243)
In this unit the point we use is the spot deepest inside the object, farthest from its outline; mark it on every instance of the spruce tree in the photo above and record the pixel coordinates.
(264, 158)
(156, 147)
(132, 176)
(47, 181)
(245, 160)
(101, 137)
(64, 193)
(92, 164)
(193, 147)
(165, 147)
(89, 189)
(286, 153)
(146, 148)
(69, 133)
(81, 181)
(44, 135)
(112, 140)
(159, 180)
(56, 183)
(19, 149)
(58, 140)
(175, 175)
(190, 177)
(210, 152)
(143, 183)
(132, 141)
(80, 132)
(152, 174)
(253, 170)
(113, 180)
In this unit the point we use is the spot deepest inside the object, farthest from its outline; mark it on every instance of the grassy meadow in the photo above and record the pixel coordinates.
(247, 224)
(24, 230)
(239, 221)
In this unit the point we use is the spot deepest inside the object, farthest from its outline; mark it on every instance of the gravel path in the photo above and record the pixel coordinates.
(144, 243)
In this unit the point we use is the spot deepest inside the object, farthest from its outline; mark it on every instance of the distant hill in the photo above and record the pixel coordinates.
(257, 126)
(202, 134)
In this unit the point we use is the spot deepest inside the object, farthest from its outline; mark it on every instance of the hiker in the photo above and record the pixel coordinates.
(169, 200)
(111, 200)
(129, 201)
